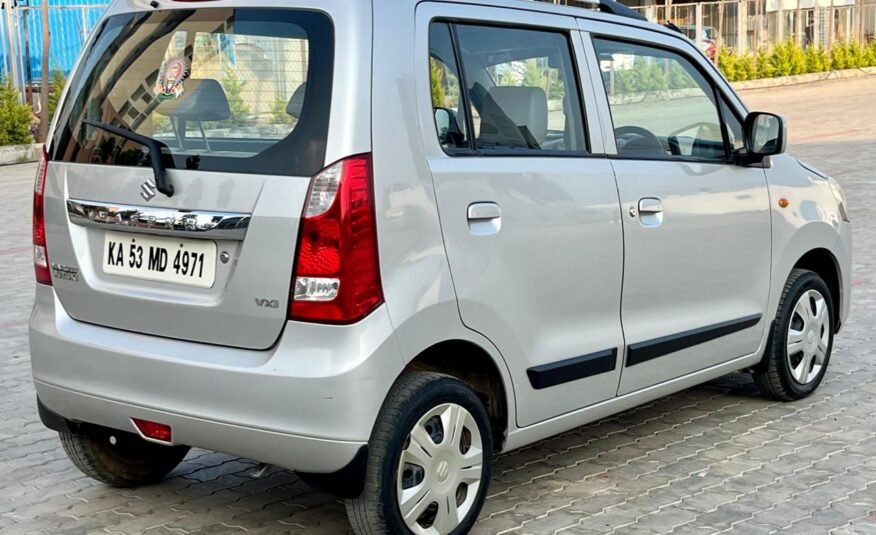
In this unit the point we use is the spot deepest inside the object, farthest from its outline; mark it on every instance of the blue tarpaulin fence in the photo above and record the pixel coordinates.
(21, 36)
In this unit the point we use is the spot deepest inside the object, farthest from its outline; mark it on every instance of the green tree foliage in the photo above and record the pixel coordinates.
(278, 111)
(534, 74)
(233, 85)
(59, 80)
(15, 118)
(788, 58)
(437, 79)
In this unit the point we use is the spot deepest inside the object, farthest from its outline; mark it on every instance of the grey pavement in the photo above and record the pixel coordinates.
(719, 458)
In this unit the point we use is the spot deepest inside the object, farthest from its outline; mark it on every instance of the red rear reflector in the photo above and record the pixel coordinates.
(153, 430)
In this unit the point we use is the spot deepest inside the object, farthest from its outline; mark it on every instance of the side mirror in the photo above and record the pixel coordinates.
(449, 134)
(765, 134)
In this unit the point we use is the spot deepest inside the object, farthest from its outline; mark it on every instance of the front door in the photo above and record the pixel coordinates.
(529, 213)
(696, 226)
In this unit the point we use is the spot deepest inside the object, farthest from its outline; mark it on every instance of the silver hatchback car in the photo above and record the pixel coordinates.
(377, 242)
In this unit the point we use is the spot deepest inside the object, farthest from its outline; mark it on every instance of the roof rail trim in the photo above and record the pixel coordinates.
(613, 7)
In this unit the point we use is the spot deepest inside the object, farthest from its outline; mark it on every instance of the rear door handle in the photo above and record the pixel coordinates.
(650, 212)
(484, 218)
(480, 211)
(650, 205)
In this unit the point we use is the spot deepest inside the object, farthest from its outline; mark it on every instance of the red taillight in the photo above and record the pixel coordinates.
(153, 430)
(40, 254)
(337, 276)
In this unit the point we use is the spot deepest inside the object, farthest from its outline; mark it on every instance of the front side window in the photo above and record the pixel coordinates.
(232, 90)
(661, 105)
(521, 93)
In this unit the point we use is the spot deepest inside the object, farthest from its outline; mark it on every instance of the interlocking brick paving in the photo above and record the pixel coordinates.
(719, 458)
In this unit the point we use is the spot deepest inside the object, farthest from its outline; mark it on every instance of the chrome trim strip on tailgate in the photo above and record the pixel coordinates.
(159, 221)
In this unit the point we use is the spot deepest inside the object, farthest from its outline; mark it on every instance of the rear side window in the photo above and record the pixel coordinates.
(519, 89)
(229, 90)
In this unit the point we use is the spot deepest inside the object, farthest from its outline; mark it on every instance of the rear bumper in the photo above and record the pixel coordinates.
(307, 404)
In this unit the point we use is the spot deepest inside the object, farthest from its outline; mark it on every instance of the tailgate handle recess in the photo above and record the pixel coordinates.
(159, 221)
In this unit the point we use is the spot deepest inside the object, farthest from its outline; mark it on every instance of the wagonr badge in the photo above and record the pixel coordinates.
(465, 228)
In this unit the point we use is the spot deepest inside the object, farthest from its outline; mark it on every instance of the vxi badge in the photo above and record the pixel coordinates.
(267, 303)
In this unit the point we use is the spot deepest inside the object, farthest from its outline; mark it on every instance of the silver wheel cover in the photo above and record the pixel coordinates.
(808, 337)
(440, 470)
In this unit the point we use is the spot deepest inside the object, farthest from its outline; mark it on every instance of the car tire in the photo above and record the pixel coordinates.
(120, 459)
(799, 346)
(430, 452)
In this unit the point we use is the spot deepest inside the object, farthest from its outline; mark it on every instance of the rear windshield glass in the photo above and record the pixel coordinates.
(230, 90)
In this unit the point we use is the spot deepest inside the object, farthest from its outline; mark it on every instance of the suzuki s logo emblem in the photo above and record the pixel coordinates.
(148, 190)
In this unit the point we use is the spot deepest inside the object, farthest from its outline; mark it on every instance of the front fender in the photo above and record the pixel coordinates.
(810, 220)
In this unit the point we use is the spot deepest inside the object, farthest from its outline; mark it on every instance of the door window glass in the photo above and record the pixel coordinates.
(734, 126)
(447, 103)
(521, 89)
(661, 105)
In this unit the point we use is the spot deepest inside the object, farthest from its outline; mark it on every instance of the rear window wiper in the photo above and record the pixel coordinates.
(153, 145)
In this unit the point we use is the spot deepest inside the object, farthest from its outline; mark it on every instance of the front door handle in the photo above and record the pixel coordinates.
(484, 218)
(650, 212)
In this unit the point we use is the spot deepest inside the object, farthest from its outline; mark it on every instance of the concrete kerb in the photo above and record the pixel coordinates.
(12, 154)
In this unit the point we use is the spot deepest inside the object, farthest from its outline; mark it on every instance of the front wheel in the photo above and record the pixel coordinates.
(429, 460)
(799, 346)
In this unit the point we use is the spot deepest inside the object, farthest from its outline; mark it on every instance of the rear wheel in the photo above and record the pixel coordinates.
(429, 460)
(120, 459)
(801, 341)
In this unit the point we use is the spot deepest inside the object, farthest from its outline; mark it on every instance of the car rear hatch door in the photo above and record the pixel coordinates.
(238, 100)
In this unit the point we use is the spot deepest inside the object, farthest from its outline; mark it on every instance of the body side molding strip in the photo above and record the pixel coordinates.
(659, 347)
(564, 371)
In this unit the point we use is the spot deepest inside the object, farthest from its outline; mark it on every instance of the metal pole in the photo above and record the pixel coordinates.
(10, 44)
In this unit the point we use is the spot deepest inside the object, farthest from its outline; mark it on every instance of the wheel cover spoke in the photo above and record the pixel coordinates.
(413, 501)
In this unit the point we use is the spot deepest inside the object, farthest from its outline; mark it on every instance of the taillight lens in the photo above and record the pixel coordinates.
(40, 254)
(337, 274)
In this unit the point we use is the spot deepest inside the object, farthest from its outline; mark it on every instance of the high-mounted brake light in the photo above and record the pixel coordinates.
(337, 273)
(40, 254)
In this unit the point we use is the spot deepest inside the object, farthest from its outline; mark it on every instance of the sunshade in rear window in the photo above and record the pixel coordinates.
(228, 90)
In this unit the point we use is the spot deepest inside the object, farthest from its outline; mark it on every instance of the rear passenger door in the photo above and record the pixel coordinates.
(696, 226)
(527, 200)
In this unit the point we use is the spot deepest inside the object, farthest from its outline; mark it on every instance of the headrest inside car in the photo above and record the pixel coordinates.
(203, 100)
(296, 103)
(526, 106)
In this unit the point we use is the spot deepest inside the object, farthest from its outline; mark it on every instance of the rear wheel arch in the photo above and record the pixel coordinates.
(822, 262)
(473, 365)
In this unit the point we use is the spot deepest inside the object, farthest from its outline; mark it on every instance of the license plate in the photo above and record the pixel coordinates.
(155, 258)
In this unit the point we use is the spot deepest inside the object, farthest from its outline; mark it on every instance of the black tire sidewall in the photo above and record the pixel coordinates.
(807, 281)
(440, 391)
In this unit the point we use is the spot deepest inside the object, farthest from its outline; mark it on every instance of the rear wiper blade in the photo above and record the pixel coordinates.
(153, 145)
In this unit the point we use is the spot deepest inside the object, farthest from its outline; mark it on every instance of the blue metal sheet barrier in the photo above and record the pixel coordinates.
(21, 36)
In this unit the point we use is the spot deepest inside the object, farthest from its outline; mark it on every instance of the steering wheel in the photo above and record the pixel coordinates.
(645, 143)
